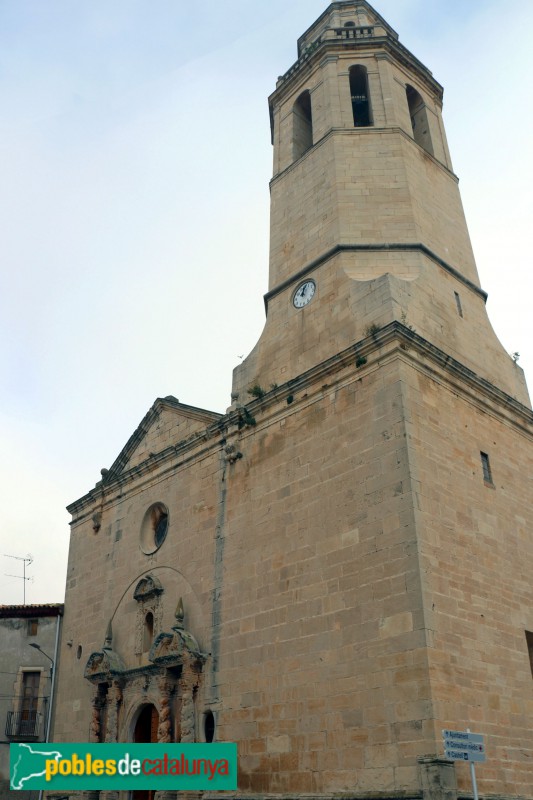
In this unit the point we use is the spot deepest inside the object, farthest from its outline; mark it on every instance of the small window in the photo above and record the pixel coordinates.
(79, 651)
(487, 473)
(154, 528)
(160, 524)
(209, 726)
(148, 632)
(33, 627)
(302, 132)
(349, 24)
(360, 97)
(458, 304)
(529, 641)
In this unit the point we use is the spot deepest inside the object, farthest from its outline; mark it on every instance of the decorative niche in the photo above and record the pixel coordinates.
(149, 616)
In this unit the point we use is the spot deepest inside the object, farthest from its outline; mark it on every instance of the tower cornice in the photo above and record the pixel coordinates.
(399, 247)
(339, 6)
(392, 341)
(368, 39)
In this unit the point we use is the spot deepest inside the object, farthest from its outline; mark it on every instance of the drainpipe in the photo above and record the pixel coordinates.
(52, 688)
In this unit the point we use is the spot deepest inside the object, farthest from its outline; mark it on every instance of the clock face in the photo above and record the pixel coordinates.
(304, 294)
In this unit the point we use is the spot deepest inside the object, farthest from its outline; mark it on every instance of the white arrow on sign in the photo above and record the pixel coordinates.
(462, 736)
(470, 747)
(464, 755)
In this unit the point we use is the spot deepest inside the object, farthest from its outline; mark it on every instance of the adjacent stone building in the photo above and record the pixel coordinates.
(340, 565)
(26, 678)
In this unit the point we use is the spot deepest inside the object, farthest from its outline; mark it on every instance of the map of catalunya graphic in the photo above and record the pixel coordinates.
(29, 760)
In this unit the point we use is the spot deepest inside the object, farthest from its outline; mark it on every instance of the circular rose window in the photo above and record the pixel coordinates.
(154, 528)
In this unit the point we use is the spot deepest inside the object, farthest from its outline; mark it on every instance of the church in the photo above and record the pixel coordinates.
(338, 567)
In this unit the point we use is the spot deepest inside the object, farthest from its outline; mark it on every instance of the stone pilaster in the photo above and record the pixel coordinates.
(96, 718)
(437, 778)
(114, 699)
(188, 711)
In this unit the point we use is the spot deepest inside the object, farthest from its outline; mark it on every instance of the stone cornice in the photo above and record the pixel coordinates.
(191, 412)
(371, 129)
(339, 4)
(480, 391)
(392, 341)
(369, 248)
(179, 454)
(340, 46)
(388, 342)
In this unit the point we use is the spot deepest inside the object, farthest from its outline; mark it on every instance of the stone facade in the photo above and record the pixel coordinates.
(339, 566)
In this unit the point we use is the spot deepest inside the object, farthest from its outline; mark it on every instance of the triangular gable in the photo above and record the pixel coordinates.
(167, 423)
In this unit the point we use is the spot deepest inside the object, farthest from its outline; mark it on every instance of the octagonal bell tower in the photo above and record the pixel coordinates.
(365, 209)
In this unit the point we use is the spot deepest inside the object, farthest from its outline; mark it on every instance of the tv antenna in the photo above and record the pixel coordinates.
(25, 560)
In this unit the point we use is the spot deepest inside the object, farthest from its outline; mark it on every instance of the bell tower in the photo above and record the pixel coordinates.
(367, 224)
(385, 481)
(360, 102)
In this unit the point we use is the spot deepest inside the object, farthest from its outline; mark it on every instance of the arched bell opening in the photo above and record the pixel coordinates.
(302, 131)
(419, 119)
(362, 114)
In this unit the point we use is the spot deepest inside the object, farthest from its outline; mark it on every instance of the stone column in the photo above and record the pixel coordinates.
(96, 719)
(114, 698)
(164, 731)
(187, 716)
(188, 711)
(437, 778)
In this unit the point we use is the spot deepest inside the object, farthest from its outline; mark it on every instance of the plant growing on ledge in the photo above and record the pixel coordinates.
(245, 419)
(311, 48)
(257, 391)
(360, 361)
(371, 330)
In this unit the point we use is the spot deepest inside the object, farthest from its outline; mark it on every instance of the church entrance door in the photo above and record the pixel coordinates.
(146, 733)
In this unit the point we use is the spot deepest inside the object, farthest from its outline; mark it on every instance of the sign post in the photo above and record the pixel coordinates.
(474, 782)
(465, 746)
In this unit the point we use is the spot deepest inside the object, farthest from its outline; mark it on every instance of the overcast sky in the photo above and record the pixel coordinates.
(135, 151)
